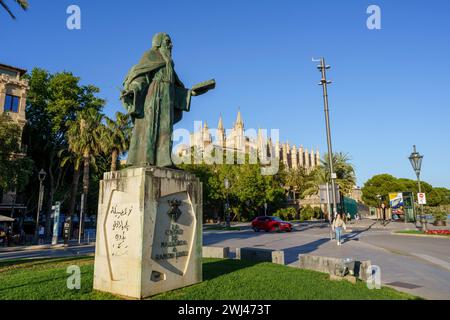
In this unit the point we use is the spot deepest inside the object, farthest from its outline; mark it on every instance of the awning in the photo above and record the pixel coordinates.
(6, 219)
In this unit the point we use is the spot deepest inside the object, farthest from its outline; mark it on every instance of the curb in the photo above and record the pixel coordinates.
(42, 247)
(420, 235)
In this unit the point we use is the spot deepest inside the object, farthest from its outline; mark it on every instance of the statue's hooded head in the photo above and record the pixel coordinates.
(163, 43)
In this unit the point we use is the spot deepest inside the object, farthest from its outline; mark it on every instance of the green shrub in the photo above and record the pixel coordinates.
(318, 213)
(307, 213)
(438, 213)
(287, 214)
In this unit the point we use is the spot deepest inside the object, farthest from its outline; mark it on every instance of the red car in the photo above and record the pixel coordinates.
(271, 224)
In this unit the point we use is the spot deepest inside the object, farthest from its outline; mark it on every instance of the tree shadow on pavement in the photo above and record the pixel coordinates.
(291, 254)
(356, 233)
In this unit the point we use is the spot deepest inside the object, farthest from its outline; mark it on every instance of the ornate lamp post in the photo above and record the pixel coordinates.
(227, 205)
(416, 162)
(41, 176)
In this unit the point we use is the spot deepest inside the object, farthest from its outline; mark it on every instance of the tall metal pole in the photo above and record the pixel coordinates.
(424, 219)
(328, 202)
(324, 83)
(39, 208)
(81, 218)
(416, 162)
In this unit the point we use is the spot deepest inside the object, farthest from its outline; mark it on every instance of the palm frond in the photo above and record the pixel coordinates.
(5, 6)
(22, 3)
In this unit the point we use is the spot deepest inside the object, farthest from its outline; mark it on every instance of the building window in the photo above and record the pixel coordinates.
(11, 103)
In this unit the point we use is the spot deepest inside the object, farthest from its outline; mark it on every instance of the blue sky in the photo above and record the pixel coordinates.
(391, 87)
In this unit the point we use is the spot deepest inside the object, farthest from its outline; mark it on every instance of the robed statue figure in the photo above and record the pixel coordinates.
(156, 98)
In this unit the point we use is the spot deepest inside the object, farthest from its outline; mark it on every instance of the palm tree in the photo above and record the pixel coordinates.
(22, 3)
(315, 179)
(75, 160)
(296, 180)
(84, 136)
(345, 172)
(116, 137)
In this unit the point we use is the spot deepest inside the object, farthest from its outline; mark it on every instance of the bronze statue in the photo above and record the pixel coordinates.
(156, 98)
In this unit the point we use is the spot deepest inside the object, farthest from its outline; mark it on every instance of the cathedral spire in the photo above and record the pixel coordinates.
(239, 122)
(220, 125)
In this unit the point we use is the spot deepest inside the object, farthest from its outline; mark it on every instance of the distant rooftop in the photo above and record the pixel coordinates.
(11, 68)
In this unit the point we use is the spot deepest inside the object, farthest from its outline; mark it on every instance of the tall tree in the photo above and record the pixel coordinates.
(344, 170)
(22, 3)
(315, 179)
(384, 184)
(53, 100)
(84, 136)
(15, 169)
(295, 180)
(74, 160)
(116, 137)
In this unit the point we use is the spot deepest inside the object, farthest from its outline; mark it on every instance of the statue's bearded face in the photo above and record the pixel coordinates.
(166, 47)
(167, 42)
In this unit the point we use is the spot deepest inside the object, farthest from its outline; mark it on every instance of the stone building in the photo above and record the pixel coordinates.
(239, 139)
(13, 95)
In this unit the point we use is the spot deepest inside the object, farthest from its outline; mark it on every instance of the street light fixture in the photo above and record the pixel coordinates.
(41, 176)
(416, 161)
(323, 67)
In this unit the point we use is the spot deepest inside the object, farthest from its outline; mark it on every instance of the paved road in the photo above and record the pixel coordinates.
(420, 266)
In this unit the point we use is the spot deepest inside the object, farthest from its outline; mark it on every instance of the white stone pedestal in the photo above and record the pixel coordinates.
(149, 232)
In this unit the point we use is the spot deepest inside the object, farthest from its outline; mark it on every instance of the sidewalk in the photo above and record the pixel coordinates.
(370, 224)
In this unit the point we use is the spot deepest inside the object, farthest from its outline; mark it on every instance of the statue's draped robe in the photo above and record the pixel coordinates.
(155, 106)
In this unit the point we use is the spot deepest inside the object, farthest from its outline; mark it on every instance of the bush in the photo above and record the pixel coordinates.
(287, 214)
(438, 213)
(307, 213)
(318, 213)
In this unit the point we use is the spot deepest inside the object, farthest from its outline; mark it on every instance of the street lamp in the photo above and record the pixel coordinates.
(323, 67)
(227, 206)
(416, 161)
(41, 176)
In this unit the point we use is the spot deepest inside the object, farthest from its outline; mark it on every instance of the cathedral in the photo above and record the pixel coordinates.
(248, 141)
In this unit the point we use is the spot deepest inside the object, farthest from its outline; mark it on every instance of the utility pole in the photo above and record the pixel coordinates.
(324, 83)
(83, 203)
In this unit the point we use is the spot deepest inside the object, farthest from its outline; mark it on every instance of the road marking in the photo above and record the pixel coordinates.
(439, 262)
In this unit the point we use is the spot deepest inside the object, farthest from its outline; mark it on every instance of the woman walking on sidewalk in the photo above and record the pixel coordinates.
(338, 225)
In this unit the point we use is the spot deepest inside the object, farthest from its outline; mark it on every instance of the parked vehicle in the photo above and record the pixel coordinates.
(268, 224)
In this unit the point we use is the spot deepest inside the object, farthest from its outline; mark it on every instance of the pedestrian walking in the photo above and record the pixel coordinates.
(9, 236)
(338, 226)
(3, 237)
(41, 234)
(66, 232)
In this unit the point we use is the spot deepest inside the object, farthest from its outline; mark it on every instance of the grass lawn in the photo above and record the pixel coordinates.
(223, 280)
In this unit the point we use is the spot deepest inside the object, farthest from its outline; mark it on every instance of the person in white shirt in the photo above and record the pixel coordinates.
(338, 226)
(41, 234)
